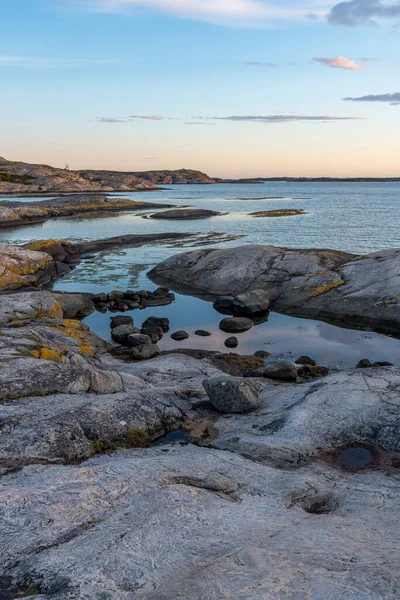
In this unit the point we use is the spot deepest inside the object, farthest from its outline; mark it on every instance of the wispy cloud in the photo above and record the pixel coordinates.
(132, 118)
(339, 62)
(359, 12)
(285, 118)
(31, 62)
(242, 13)
(393, 99)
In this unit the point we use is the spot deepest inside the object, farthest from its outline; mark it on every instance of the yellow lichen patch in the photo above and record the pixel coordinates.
(75, 330)
(50, 354)
(43, 245)
(327, 287)
(55, 312)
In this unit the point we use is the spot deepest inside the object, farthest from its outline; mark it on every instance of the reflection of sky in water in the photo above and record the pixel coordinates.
(356, 217)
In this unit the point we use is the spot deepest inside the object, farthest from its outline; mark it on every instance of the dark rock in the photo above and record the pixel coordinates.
(224, 304)
(236, 324)
(382, 364)
(161, 291)
(180, 336)
(75, 305)
(284, 371)
(155, 333)
(202, 333)
(364, 363)
(145, 351)
(160, 300)
(262, 353)
(232, 342)
(100, 298)
(138, 339)
(143, 293)
(306, 360)
(116, 295)
(162, 322)
(120, 320)
(312, 372)
(121, 333)
(251, 303)
(231, 395)
(185, 214)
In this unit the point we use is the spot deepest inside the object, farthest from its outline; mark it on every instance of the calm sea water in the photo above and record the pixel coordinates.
(354, 217)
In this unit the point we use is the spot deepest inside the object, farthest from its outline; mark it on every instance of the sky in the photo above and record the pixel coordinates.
(234, 88)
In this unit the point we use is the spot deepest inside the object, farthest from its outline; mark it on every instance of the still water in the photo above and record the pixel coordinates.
(354, 217)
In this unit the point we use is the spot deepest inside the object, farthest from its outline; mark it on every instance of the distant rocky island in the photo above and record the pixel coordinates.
(21, 178)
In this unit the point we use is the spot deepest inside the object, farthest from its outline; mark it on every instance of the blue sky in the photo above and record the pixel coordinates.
(231, 87)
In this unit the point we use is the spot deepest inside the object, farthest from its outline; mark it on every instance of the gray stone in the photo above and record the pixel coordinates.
(145, 351)
(236, 324)
(283, 370)
(121, 333)
(162, 322)
(231, 394)
(305, 360)
(364, 363)
(120, 320)
(202, 333)
(180, 336)
(137, 339)
(231, 342)
(251, 303)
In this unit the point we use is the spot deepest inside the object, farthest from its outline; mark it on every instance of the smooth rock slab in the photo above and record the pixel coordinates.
(145, 351)
(196, 523)
(231, 395)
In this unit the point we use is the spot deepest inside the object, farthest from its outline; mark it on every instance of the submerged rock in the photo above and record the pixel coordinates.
(122, 333)
(231, 395)
(185, 214)
(120, 320)
(145, 351)
(231, 342)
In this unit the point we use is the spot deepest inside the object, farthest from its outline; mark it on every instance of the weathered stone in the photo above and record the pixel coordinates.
(311, 371)
(155, 333)
(145, 351)
(180, 336)
(236, 324)
(120, 320)
(116, 295)
(19, 309)
(284, 371)
(231, 395)
(138, 339)
(262, 353)
(251, 303)
(122, 333)
(185, 214)
(20, 267)
(162, 322)
(75, 305)
(224, 304)
(305, 360)
(202, 333)
(231, 342)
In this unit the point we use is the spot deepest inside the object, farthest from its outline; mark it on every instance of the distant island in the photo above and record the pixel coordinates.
(19, 178)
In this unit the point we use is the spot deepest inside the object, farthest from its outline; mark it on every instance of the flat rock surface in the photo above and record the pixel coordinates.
(188, 522)
(185, 215)
(362, 291)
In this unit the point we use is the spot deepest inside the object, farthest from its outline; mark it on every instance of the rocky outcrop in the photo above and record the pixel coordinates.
(361, 291)
(16, 213)
(297, 497)
(25, 178)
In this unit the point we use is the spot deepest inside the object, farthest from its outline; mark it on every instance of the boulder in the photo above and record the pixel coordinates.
(120, 320)
(312, 372)
(122, 333)
(185, 214)
(21, 268)
(251, 303)
(180, 336)
(283, 370)
(145, 351)
(75, 305)
(306, 360)
(202, 333)
(224, 304)
(236, 324)
(231, 342)
(353, 290)
(155, 333)
(231, 394)
(138, 339)
(162, 322)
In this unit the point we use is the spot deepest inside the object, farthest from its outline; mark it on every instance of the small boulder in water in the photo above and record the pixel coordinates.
(179, 336)
(120, 320)
(236, 324)
(232, 342)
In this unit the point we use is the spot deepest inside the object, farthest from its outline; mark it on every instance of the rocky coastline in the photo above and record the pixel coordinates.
(282, 484)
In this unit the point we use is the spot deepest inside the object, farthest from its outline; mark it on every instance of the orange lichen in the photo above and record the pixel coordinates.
(327, 287)
(75, 330)
(50, 354)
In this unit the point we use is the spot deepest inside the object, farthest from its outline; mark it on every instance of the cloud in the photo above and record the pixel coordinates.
(360, 12)
(339, 62)
(285, 118)
(132, 118)
(393, 99)
(242, 13)
(29, 62)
